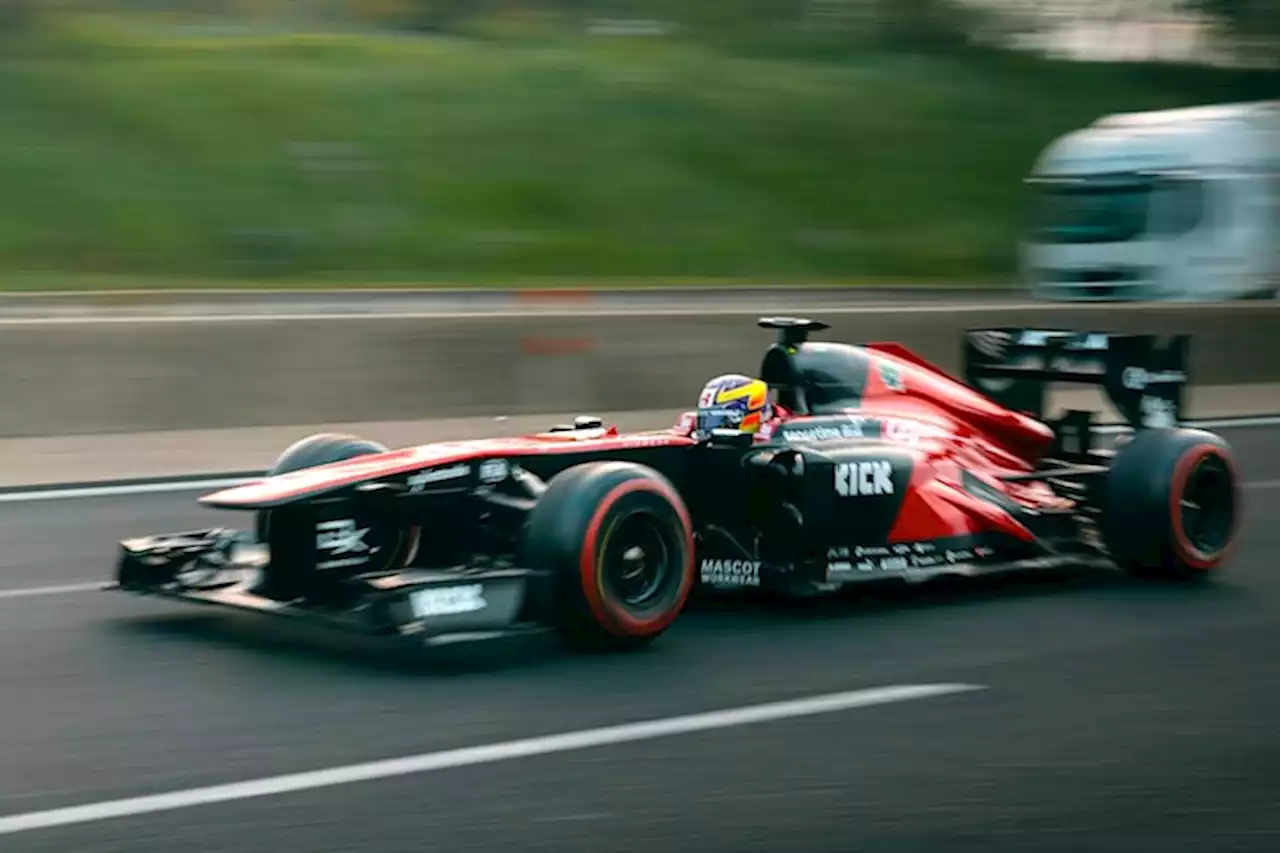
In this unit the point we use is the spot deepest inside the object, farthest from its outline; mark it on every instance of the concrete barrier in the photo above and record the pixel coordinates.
(65, 378)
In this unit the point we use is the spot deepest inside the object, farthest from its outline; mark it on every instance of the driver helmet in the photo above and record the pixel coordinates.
(733, 401)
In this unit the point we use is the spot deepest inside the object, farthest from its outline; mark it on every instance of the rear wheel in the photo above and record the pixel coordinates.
(618, 541)
(1171, 504)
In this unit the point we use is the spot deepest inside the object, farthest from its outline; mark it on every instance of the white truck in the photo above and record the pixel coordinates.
(1179, 204)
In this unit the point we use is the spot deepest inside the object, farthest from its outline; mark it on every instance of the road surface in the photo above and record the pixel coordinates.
(1109, 715)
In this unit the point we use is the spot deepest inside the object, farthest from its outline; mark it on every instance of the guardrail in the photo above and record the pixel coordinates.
(65, 378)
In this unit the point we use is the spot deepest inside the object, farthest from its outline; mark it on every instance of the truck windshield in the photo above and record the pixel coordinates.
(1089, 212)
(1115, 211)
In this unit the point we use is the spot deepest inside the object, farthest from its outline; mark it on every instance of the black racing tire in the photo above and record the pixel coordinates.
(311, 452)
(1171, 505)
(617, 540)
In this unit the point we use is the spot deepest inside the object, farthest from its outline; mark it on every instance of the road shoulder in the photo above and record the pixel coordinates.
(179, 453)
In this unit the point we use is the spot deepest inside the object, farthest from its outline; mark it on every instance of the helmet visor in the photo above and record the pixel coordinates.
(709, 420)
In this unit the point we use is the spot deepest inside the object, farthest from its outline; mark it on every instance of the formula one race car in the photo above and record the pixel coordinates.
(838, 465)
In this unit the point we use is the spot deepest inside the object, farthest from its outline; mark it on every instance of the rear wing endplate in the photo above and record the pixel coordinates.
(1143, 376)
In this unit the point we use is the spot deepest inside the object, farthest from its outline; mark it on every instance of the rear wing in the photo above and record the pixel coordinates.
(1143, 376)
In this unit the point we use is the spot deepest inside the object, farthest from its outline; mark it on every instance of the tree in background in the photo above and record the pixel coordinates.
(379, 10)
(923, 24)
(1249, 29)
(17, 16)
(380, 13)
(898, 23)
(433, 16)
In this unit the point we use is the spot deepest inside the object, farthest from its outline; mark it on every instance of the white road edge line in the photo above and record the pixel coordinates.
(1261, 484)
(118, 490)
(1238, 422)
(94, 586)
(886, 306)
(127, 489)
(61, 589)
(469, 756)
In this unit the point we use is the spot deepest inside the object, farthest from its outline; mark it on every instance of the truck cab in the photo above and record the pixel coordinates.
(1169, 205)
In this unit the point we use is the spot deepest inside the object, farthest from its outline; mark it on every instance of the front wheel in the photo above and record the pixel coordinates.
(618, 542)
(311, 452)
(314, 548)
(1171, 504)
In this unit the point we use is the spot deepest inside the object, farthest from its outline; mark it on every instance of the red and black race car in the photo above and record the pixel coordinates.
(875, 466)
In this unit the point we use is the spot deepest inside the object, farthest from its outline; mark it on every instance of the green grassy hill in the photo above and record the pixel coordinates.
(152, 159)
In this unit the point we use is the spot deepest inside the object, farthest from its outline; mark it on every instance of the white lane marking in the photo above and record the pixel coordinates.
(86, 586)
(621, 311)
(1244, 421)
(118, 490)
(126, 489)
(1262, 484)
(91, 586)
(182, 486)
(469, 756)
(62, 589)
(1239, 422)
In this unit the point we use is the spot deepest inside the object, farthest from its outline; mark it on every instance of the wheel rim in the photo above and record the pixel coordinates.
(1207, 505)
(637, 560)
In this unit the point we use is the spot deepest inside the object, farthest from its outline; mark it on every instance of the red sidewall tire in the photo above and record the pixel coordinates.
(1143, 522)
(613, 618)
(1184, 550)
(573, 533)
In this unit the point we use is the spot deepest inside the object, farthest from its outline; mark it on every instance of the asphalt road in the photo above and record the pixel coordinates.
(1113, 715)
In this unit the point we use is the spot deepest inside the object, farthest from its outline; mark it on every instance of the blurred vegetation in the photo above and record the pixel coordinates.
(452, 140)
(1250, 27)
